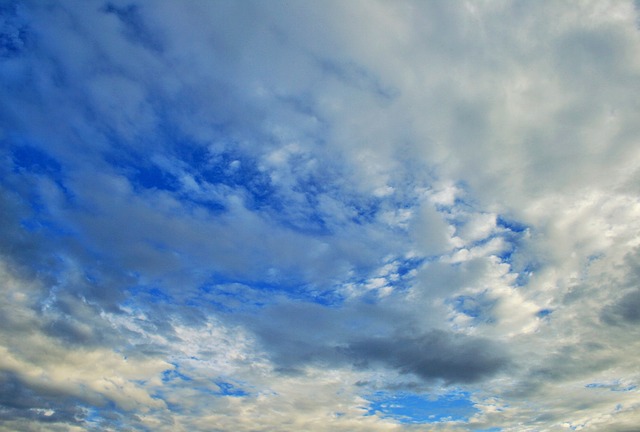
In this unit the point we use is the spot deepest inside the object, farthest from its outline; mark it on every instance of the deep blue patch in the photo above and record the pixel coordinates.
(513, 235)
(409, 264)
(153, 177)
(148, 294)
(543, 313)
(174, 374)
(40, 223)
(413, 408)
(15, 34)
(228, 389)
(510, 224)
(505, 255)
(28, 158)
(141, 172)
(32, 159)
(236, 171)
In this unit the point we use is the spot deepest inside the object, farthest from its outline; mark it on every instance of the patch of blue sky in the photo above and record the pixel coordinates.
(524, 274)
(511, 237)
(149, 295)
(235, 172)
(506, 254)
(365, 210)
(215, 388)
(28, 156)
(174, 375)
(43, 224)
(415, 408)
(108, 417)
(153, 177)
(14, 32)
(478, 307)
(405, 266)
(92, 414)
(310, 217)
(144, 174)
(513, 234)
(31, 158)
(511, 224)
(258, 293)
(399, 279)
(222, 304)
(614, 386)
(304, 219)
(148, 299)
(544, 313)
(229, 389)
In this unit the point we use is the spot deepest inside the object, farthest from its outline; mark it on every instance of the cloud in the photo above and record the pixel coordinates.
(626, 309)
(435, 355)
(258, 215)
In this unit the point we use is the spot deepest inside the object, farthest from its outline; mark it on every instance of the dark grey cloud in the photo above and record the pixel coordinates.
(19, 400)
(626, 310)
(296, 335)
(434, 355)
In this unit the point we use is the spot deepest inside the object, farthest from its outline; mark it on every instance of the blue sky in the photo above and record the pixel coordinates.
(324, 216)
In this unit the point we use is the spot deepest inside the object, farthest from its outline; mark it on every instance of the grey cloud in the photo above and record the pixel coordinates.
(625, 310)
(629, 307)
(359, 77)
(19, 400)
(298, 334)
(435, 355)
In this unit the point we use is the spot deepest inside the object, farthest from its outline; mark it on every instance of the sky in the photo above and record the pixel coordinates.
(319, 215)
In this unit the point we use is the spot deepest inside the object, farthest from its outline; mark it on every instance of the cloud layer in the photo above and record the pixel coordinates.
(319, 216)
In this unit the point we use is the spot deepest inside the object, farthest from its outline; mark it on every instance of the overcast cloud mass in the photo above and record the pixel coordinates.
(319, 215)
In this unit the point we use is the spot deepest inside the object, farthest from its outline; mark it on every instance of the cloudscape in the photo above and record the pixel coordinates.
(333, 216)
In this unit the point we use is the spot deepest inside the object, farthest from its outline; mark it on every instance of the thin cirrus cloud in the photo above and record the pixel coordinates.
(319, 216)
